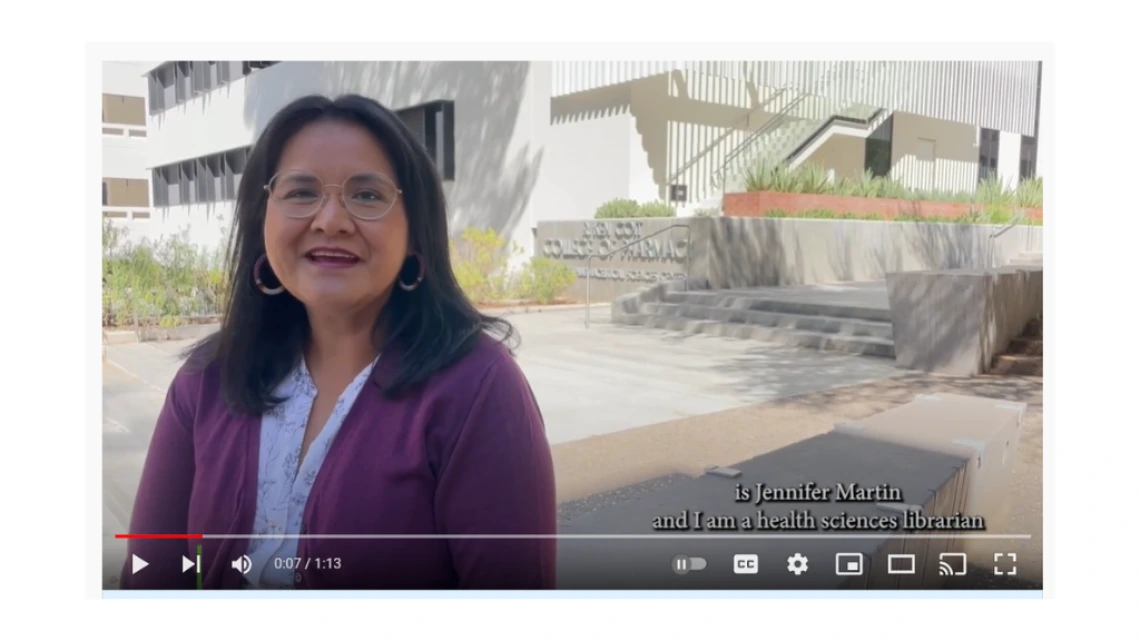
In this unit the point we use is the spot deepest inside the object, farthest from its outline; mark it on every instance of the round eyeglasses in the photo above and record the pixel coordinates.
(301, 194)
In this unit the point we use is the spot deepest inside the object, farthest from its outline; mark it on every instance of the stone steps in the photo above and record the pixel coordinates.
(1025, 355)
(774, 319)
(859, 345)
(1018, 365)
(743, 301)
(823, 325)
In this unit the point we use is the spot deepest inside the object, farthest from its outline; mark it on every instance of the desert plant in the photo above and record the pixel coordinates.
(1029, 193)
(481, 260)
(656, 210)
(543, 280)
(163, 282)
(618, 208)
(811, 178)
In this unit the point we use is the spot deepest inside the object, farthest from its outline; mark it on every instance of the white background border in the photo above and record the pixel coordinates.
(52, 474)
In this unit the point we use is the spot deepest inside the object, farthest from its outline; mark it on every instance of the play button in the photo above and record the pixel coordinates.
(137, 564)
(187, 564)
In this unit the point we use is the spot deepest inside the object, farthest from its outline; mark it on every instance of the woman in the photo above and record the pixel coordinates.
(351, 390)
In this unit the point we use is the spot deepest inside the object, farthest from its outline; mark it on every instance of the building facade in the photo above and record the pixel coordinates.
(126, 169)
(522, 142)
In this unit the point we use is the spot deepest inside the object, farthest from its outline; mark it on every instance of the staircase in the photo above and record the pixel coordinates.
(1025, 356)
(799, 117)
(775, 317)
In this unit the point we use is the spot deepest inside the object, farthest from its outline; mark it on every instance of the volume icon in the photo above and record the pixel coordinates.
(242, 564)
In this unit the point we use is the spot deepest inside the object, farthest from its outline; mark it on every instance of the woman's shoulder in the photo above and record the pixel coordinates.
(199, 376)
(486, 356)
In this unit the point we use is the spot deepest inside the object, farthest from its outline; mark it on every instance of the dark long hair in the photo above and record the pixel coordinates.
(262, 338)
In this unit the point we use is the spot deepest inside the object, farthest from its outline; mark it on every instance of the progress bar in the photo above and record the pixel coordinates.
(687, 537)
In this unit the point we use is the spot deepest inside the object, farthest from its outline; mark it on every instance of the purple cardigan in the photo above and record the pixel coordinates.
(466, 453)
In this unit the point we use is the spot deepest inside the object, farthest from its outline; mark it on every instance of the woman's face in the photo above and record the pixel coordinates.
(332, 260)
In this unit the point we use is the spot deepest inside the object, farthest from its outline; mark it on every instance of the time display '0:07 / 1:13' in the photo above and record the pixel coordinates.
(299, 563)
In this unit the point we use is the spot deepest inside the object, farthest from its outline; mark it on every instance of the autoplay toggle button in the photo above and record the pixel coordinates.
(684, 564)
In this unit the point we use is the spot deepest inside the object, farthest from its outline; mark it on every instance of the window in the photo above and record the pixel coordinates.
(877, 158)
(209, 179)
(124, 110)
(125, 192)
(176, 82)
(433, 124)
(1028, 157)
(988, 154)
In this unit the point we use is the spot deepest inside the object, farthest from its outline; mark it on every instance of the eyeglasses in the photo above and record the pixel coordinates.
(301, 194)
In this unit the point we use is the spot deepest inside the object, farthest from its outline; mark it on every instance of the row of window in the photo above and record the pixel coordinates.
(215, 178)
(209, 179)
(178, 81)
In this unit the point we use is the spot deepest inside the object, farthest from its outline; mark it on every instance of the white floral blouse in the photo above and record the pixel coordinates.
(284, 482)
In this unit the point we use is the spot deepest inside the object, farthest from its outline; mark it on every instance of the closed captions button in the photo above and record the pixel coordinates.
(684, 564)
(746, 563)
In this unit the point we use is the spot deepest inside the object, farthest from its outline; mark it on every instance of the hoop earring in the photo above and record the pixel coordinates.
(419, 279)
(261, 286)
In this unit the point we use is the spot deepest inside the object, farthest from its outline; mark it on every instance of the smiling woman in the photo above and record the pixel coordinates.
(352, 390)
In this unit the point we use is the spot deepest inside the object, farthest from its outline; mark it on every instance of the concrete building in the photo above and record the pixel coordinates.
(126, 170)
(523, 142)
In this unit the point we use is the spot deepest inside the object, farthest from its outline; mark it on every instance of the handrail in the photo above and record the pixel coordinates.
(819, 131)
(732, 129)
(688, 258)
(1014, 222)
(776, 120)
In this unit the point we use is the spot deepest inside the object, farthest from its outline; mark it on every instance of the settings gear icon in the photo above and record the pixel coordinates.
(797, 564)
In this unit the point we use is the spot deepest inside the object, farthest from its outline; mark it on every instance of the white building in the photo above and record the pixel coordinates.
(126, 169)
(521, 142)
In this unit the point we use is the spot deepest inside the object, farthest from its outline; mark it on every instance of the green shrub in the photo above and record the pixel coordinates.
(706, 212)
(618, 208)
(481, 260)
(988, 216)
(656, 210)
(544, 280)
(1030, 193)
(164, 283)
(810, 178)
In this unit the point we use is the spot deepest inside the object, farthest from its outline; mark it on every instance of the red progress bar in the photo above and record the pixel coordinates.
(158, 536)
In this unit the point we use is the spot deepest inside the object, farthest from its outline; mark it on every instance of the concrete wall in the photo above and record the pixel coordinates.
(593, 149)
(956, 321)
(126, 78)
(934, 154)
(667, 256)
(842, 157)
(752, 252)
(502, 112)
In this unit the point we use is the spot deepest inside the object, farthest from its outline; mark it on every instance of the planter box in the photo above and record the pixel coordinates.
(754, 204)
